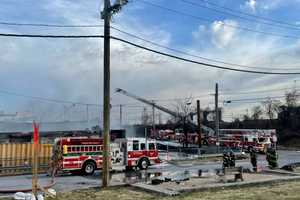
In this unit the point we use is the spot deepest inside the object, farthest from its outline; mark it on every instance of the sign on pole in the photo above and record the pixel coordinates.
(35, 157)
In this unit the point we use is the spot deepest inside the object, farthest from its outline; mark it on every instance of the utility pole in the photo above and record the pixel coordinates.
(146, 135)
(108, 11)
(217, 117)
(106, 15)
(121, 115)
(87, 113)
(159, 118)
(199, 123)
(185, 144)
(64, 116)
(153, 118)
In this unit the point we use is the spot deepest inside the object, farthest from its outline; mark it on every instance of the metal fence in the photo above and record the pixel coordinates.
(17, 158)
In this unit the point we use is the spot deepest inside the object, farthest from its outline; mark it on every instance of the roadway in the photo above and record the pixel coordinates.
(70, 182)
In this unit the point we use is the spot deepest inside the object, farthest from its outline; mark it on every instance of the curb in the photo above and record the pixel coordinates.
(204, 159)
(281, 172)
(241, 184)
(155, 189)
(164, 192)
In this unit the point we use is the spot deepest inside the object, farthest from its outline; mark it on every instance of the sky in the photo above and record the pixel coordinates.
(71, 69)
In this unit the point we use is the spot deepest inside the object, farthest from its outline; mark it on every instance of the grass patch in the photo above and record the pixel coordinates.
(278, 191)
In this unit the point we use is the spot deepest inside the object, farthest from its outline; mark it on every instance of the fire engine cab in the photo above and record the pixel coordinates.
(85, 154)
(138, 152)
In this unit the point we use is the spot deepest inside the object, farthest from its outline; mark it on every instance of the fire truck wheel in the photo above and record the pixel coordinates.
(143, 163)
(89, 167)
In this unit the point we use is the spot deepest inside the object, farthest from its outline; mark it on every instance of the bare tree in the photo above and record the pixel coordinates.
(186, 111)
(183, 107)
(236, 122)
(291, 98)
(257, 112)
(246, 117)
(271, 107)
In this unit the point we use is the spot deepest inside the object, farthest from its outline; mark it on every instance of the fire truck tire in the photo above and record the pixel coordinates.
(143, 163)
(89, 167)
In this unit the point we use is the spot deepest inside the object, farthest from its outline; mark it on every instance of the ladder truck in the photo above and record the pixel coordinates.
(180, 117)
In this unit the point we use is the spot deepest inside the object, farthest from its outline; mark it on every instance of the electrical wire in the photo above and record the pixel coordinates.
(222, 23)
(46, 99)
(258, 98)
(150, 50)
(255, 92)
(202, 63)
(132, 35)
(201, 57)
(51, 25)
(239, 16)
(244, 13)
(49, 36)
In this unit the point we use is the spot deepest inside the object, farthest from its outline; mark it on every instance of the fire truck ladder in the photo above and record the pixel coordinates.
(177, 115)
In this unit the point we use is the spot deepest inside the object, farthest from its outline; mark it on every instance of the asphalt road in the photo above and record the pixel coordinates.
(71, 182)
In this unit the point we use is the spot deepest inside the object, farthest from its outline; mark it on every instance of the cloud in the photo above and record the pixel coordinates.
(72, 69)
(223, 34)
(268, 5)
(251, 4)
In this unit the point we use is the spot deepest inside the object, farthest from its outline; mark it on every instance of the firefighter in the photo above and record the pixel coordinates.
(226, 159)
(253, 159)
(231, 159)
(272, 158)
(55, 161)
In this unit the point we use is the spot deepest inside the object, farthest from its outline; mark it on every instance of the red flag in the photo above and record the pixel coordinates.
(35, 133)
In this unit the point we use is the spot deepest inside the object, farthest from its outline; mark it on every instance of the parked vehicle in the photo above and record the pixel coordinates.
(257, 139)
(85, 154)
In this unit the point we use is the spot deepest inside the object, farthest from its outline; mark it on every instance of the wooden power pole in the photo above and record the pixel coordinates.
(108, 11)
(106, 94)
(199, 123)
(153, 119)
(217, 116)
(121, 115)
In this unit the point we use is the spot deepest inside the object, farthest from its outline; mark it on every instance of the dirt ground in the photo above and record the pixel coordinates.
(290, 190)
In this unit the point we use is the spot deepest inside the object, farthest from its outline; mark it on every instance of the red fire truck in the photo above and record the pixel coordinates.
(258, 139)
(85, 154)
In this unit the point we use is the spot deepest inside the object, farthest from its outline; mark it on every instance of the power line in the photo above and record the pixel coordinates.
(255, 92)
(192, 55)
(244, 13)
(150, 50)
(258, 98)
(175, 50)
(46, 99)
(51, 25)
(127, 105)
(49, 36)
(202, 63)
(132, 35)
(239, 16)
(223, 23)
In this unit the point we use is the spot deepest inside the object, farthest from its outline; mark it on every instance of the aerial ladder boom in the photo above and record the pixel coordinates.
(151, 103)
(177, 115)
